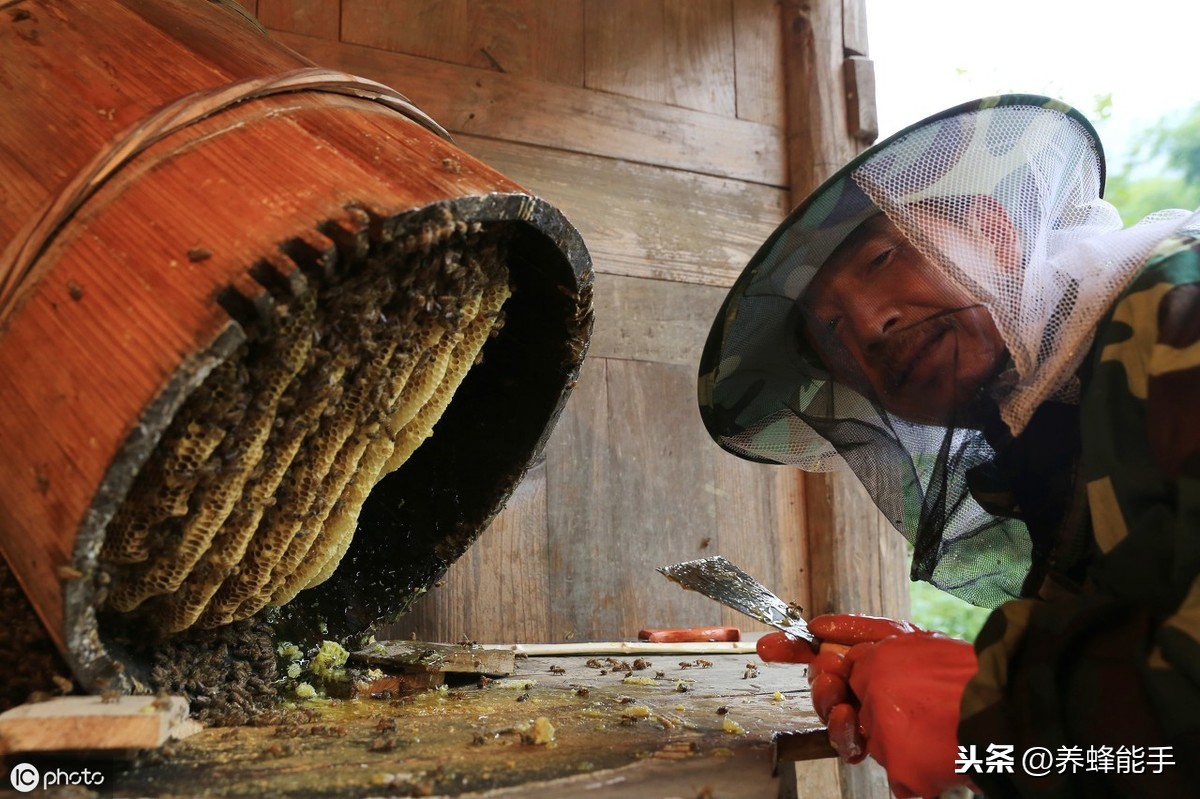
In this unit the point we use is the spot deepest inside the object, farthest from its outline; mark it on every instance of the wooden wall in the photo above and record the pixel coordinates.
(661, 128)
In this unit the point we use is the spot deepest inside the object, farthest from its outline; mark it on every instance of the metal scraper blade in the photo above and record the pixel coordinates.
(719, 579)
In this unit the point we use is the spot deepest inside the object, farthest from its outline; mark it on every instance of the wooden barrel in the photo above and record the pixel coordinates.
(268, 340)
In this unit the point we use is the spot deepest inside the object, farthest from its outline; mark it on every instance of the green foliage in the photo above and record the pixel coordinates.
(933, 609)
(1163, 171)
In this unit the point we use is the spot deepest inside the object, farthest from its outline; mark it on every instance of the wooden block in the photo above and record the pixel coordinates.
(87, 723)
(397, 684)
(420, 656)
(861, 117)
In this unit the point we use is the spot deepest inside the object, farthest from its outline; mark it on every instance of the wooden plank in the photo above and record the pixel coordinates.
(427, 656)
(678, 52)
(847, 548)
(652, 320)
(631, 216)
(487, 103)
(578, 526)
(319, 18)
(498, 590)
(747, 532)
(92, 723)
(538, 39)
(612, 524)
(467, 740)
(758, 61)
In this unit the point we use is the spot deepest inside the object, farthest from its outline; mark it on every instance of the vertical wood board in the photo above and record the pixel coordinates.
(497, 591)
(652, 320)
(676, 52)
(643, 503)
(758, 61)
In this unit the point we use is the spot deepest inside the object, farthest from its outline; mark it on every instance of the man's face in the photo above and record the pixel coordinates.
(888, 323)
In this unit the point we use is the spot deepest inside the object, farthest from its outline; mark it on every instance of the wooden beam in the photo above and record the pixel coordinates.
(854, 554)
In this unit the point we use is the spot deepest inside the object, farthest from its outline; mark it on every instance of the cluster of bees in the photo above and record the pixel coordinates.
(253, 492)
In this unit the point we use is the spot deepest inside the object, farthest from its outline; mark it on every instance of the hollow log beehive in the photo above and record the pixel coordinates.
(267, 338)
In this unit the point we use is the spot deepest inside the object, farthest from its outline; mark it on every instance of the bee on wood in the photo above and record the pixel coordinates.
(382, 743)
(557, 670)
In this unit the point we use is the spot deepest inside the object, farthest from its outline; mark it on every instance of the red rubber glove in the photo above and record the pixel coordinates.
(889, 689)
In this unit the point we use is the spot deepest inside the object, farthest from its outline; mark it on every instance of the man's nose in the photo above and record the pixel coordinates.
(874, 318)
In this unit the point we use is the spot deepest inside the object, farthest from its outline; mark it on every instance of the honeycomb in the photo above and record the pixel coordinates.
(253, 492)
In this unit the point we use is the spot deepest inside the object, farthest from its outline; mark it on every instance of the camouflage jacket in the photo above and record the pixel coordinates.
(1103, 682)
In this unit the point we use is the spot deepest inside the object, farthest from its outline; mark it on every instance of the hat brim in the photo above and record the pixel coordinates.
(757, 369)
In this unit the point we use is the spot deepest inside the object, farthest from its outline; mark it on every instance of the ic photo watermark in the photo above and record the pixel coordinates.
(1041, 761)
(26, 777)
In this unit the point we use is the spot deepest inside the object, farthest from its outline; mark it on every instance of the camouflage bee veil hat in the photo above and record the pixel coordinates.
(767, 395)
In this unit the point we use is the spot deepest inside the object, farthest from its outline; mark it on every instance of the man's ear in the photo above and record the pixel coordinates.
(987, 218)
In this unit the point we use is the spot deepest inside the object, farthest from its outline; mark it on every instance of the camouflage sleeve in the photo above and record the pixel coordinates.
(1107, 680)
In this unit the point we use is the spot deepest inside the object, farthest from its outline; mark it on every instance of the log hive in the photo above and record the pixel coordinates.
(268, 339)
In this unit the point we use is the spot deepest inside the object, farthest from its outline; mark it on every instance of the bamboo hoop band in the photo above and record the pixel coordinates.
(18, 262)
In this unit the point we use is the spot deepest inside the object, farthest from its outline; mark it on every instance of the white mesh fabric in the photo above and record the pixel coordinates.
(1071, 256)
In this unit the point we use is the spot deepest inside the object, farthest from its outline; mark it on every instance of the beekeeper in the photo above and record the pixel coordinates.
(958, 318)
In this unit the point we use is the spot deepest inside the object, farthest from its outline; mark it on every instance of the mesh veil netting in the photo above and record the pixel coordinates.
(1045, 281)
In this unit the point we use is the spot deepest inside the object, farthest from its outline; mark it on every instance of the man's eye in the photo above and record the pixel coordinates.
(883, 257)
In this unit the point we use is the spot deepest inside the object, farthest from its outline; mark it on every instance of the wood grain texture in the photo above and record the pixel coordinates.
(631, 216)
(95, 724)
(497, 591)
(319, 18)
(652, 320)
(758, 61)
(650, 504)
(854, 555)
(484, 102)
(675, 52)
(538, 39)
